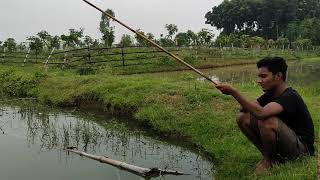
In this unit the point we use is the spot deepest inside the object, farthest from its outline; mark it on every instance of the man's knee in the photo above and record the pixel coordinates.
(243, 119)
(268, 124)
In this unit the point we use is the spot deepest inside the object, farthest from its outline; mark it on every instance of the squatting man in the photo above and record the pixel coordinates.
(278, 123)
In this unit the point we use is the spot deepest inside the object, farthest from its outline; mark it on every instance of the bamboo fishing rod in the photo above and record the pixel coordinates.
(153, 43)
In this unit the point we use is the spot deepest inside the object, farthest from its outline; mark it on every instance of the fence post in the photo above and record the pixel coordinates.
(25, 59)
(122, 56)
(65, 57)
(4, 54)
(89, 53)
(46, 63)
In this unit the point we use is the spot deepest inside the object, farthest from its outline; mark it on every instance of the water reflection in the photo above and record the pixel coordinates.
(51, 131)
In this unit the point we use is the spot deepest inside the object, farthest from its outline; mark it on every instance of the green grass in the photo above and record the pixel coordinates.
(178, 106)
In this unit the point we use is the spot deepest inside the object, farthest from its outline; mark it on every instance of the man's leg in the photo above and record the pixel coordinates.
(262, 134)
(268, 129)
(249, 127)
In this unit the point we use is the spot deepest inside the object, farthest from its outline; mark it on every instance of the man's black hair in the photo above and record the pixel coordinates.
(274, 65)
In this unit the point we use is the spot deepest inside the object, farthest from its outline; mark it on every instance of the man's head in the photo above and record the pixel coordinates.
(272, 72)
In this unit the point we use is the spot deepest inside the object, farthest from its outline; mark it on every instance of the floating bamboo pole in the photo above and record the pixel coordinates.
(141, 171)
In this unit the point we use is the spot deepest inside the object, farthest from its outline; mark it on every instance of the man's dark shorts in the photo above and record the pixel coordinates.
(289, 145)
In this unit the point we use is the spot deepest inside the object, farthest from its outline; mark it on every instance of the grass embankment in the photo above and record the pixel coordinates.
(179, 106)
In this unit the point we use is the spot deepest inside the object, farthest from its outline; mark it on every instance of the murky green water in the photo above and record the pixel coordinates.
(33, 138)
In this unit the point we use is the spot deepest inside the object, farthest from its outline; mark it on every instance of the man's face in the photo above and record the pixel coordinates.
(266, 79)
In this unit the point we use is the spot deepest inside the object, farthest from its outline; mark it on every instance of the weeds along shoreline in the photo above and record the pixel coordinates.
(173, 107)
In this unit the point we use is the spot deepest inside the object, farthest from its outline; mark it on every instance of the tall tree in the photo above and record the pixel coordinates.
(106, 29)
(172, 30)
(193, 37)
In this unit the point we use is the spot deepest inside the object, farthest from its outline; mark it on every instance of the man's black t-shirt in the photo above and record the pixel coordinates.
(295, 114)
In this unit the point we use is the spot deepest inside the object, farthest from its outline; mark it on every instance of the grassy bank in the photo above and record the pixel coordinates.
(179, 106)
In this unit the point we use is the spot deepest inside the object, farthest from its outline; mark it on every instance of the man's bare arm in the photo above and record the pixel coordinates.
(255, 108)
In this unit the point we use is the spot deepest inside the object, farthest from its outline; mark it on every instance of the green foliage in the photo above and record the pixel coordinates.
(88, 41)
(172, 30)
(205, 37)
(268, 18)
(18, 84)
(126, 41)
(73, 39)
(182, 39)
(174, 105)
(35, 44)
(10, 44)
(106, 29)
(86, 71)
(140, 40)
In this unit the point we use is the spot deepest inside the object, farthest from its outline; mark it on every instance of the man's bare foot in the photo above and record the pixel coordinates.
(262, 166)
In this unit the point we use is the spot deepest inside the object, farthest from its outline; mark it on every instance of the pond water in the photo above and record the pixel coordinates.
(298, 73)
(33, 137)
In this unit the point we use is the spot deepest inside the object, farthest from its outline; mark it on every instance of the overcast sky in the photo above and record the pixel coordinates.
(22, 18)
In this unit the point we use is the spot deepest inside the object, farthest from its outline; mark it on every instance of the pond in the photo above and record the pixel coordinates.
(302, 73)
(33, 137)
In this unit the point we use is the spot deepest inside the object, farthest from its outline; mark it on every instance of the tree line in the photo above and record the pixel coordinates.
(292, 22)
(43, 41)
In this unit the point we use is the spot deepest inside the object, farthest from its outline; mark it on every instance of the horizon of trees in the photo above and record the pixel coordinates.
(295, 20)
(244, 23)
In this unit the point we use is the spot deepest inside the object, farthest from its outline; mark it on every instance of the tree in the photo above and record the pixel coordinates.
(36, 44)
(234, 40)
(150, 36)
(96, 43)
(310, 29)
(257, 41)
(172, 30)
(282, 42)
(73, 39)
(22, 46)
(244, 41)
(54, 42)
(45, 37)
(265, 18)
(106, 29)
(302, 44)
(205, 37)
(193, 37)
(182, 39)
(10, 44)
(140, 40)
(223, 41)
(88, 41)
(126, 41)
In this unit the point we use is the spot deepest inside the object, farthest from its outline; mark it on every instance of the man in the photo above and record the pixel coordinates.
(278, 123)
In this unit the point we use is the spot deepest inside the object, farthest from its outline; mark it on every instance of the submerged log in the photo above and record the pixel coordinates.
(141, 171)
